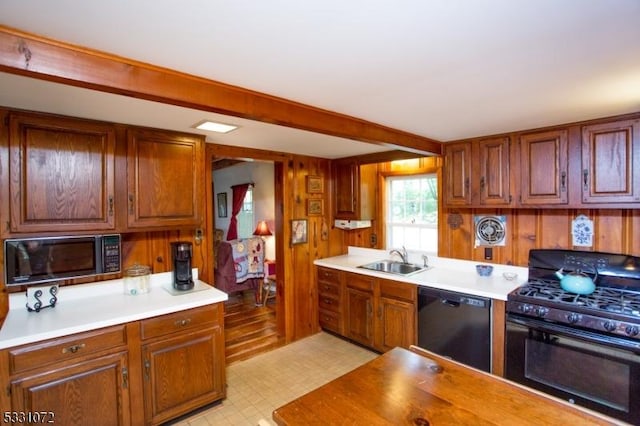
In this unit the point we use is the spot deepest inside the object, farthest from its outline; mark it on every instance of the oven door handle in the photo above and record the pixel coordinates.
(551, 328)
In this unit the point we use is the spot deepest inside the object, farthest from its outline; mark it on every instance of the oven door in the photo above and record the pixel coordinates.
(598, 372)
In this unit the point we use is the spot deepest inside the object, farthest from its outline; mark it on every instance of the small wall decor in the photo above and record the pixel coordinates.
(222, 204)
(315, 185)
(315, 207)
(298, 231)
(582, 231)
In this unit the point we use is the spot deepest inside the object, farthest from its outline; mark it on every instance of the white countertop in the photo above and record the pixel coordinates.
(96, 305)
(445, 273)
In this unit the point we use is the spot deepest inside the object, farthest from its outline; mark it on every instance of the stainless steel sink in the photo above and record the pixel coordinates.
(394, 267)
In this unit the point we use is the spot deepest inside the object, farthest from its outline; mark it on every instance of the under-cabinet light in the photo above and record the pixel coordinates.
(212, 126)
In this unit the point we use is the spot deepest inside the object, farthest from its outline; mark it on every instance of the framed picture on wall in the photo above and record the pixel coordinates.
(298, 231)
(315, 185)
(222, 204)
(315, 207)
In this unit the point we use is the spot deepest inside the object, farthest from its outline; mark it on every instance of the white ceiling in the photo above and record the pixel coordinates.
(444, 69)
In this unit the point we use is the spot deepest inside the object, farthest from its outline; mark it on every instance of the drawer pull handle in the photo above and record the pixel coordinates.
(183, 322)
(73, 349)
(327, 301)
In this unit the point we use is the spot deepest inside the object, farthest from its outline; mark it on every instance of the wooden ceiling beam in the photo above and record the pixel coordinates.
(38, 57)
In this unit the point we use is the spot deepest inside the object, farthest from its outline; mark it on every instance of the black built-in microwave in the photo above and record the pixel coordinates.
(38, 260)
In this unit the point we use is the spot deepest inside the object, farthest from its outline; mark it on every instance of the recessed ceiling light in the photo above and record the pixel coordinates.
(212, 126)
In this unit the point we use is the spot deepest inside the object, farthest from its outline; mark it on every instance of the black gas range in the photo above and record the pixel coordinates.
(613, 308)
(584, 348)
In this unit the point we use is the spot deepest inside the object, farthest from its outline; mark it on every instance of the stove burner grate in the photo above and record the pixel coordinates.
(606, 299)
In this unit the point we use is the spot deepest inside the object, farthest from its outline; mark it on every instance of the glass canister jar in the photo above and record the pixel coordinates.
(137, 279)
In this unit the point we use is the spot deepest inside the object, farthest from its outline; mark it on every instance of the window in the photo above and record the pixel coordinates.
(412, 212)
(245, 217)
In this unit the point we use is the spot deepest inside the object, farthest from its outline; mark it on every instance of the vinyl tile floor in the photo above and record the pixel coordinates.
(259, 385)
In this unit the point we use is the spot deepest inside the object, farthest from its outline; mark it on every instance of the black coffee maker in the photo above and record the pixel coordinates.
(181, 254)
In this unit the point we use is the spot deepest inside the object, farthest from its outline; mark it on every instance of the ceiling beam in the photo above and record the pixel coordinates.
(38, 57)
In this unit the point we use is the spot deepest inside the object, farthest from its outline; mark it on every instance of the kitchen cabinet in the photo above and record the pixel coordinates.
(354, 190)
(183, 362)
(142, 372)
(494, 177)
(379, 313)
(164, 179)
(330, 299)
(611, 162)
(397, 316)
(80, 379)
(483, 182)
(457, 174)
(544, 166)
(61, 174)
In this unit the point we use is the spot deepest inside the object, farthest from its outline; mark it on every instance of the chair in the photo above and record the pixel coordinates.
(268, 289)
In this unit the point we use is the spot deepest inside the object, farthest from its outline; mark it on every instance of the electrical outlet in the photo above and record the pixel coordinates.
(488, 253)
(373, 240)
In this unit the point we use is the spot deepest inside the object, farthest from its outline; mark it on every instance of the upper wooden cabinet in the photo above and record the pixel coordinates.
(611, 162)
(494, 178)
(164, 179)
(61, 174)
(484, 181)
(544, 168)
(457, 172)
(354, 190)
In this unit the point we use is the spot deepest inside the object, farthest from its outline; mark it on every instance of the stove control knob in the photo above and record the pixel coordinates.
(632, 330)
(541, 311)
(573, 318)
(610, 325)
(525, 308)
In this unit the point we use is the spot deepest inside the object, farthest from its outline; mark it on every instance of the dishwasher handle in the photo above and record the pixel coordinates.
(450, 303)
(455, 299)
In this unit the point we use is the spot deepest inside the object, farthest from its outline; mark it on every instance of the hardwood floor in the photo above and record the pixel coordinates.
(249, 329)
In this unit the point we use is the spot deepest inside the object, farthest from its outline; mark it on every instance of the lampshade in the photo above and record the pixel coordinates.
(262, 229)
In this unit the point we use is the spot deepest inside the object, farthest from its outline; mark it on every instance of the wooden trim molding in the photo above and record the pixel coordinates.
(38, 57)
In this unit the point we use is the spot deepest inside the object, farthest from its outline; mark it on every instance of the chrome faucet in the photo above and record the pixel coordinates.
(403, 254)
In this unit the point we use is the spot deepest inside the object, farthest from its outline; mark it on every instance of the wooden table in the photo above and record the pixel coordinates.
(417, 387)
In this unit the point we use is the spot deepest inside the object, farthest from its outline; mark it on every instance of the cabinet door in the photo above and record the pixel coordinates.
(396, 324)
(494, 172)
(164, 179)
(347, 178)
(359, 318)
(543, 168)
(94, 392)
(61, 174)
(457, 167)
(611, 162)
(182, 373)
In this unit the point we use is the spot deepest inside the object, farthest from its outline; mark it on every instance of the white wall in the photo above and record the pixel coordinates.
(261, 174)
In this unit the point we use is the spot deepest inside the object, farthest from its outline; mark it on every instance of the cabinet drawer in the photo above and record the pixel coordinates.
(178, 321)
(397, 290)
(330, 303)
(360, 282)
(66, 348)
(328, 275)
(330, 321)
(329, 289)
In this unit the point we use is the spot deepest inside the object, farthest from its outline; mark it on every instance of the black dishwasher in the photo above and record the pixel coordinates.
(455, 325)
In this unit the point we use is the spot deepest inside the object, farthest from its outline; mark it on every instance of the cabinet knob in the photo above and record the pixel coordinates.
(183, 322)
(73, 349)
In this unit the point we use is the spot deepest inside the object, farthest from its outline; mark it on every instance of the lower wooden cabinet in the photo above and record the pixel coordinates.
(377, 313)
(182, 370)
(92, 391)
(144, 372)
